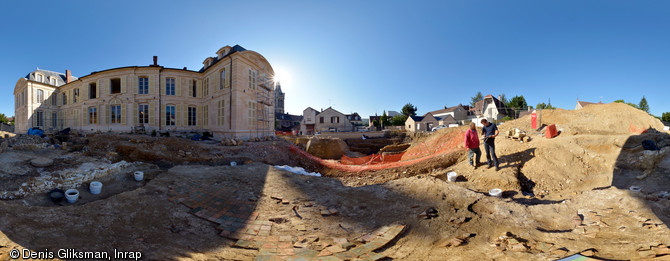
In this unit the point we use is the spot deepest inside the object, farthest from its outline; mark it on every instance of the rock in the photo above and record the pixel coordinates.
(41, 162)
(518, 247)
(451, 242)
(333, 211)
(325, 212)
(347, 246)
(332, 148)
(560, 252)
(335, 249)
(340, 240)
(662, 250)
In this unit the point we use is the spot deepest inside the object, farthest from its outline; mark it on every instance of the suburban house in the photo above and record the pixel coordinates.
(327, 120)
(231, 96)
(425, 122)
(490, 108)
(582, 104)
(355, 119)
(390, 114)
(287, 122)
(458, 113)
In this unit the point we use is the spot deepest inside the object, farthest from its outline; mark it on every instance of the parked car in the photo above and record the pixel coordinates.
(438, 127)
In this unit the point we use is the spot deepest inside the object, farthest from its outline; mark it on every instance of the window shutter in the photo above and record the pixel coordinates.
(97, 89)
(152, 114)
(199, 89)
(124, 82)
(123, 114)
(162, 122)
(177, 88)
(133, 82)
(199, 118)
(108, 114)
(162, 87)
(152, 85)
(85, 117)
(83, 93)
(135, 114)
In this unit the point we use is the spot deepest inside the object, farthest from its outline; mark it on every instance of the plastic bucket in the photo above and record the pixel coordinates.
(635, 188)
(139, 175)
(72, 195)
(95, 187)
(232, 163)
(451, 176)
(495, 192)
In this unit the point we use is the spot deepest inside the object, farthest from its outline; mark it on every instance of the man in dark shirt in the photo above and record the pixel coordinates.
(490, 132)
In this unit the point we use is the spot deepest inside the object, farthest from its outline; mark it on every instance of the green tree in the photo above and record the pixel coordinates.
(666, 117)
(504, 100)
(3, 118)
(545, 106)
(399, 120)
(476, 98)
(384, 120)
(633, 105)
(619, 101)
(517, 103)
(643, 105)
(408, 110)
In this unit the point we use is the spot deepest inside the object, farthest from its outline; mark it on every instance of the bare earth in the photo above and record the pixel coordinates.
(562, 196)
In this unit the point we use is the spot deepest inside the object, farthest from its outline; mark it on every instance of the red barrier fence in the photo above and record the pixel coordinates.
(432, 147)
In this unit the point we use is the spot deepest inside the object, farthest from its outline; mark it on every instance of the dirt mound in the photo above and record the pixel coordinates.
(612, 118)
(331, 148)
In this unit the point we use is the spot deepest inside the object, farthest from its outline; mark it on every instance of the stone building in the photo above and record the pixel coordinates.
(327, 120)
(279, 99)
(232, 95)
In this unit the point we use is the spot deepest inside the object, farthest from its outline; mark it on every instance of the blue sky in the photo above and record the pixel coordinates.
(364, 56)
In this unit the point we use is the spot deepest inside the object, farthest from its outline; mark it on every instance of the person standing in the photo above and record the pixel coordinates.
(472, 145)
(490, 132)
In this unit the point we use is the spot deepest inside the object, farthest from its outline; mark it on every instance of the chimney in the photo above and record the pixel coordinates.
(155, 60)
(499, 98)
(68, 76)
(445, 107)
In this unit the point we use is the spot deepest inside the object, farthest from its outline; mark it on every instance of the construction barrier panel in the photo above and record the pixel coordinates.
(551, 131)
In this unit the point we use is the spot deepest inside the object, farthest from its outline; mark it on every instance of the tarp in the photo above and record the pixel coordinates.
(36, 131)
(578, 257)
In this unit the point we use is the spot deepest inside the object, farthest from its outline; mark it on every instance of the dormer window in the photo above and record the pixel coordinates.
(38, 77)
(53, 81)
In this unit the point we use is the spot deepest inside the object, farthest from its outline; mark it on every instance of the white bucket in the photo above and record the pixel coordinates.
(451, 176)
(635, 188)
(495, 192)
(139, 175)
(72, 195)
(95, 187)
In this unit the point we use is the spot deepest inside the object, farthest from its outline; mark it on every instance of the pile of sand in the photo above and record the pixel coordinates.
(612, 118)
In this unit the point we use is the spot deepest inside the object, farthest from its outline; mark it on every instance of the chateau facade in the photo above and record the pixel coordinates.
(231, 96)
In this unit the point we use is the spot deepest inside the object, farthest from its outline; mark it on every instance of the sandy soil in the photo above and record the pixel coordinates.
(561, 196)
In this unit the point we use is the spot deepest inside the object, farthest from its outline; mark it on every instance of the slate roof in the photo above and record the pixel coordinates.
(417, 118)
(446, 110)
(60, 77)
(449, 120)
(234, 49)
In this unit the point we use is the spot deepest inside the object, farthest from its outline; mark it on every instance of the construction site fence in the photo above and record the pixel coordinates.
(428, 149)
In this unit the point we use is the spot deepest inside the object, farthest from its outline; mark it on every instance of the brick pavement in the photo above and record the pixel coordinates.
(238, 221)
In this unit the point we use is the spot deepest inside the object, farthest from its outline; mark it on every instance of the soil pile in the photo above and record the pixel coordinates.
(612, 118)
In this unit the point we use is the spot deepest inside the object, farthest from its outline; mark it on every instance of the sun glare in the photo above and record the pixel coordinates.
(281, 76)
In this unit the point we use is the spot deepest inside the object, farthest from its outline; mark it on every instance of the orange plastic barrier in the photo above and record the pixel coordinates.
(551, 131)
(634, 129)
(445, 144)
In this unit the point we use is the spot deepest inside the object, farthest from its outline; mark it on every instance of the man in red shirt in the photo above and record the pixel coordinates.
(472, 145)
